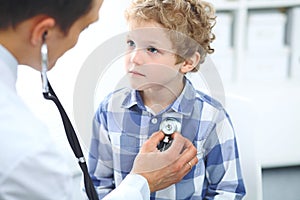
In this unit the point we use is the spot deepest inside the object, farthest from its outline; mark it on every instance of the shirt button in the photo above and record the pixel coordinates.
(154, 120)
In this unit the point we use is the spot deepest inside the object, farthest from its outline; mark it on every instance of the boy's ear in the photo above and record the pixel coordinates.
(190, 63)
(41, 27)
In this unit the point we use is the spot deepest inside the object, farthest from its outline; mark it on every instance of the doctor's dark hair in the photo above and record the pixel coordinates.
(191, 20)
(65, 12)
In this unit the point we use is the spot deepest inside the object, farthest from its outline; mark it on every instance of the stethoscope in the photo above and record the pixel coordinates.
(49, 94)
(44, 55)
(168, 126)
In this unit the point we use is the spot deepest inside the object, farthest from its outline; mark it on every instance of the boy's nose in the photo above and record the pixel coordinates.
(137, 56)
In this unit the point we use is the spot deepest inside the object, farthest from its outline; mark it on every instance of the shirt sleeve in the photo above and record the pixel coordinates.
(223, 170)
(133, 187)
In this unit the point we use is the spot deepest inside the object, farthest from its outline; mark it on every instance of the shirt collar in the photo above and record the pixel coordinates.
(181, 105)
(133, 98)
(8, 68)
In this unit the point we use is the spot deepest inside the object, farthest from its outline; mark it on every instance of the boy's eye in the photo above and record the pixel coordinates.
(130, 43)
(152, 50)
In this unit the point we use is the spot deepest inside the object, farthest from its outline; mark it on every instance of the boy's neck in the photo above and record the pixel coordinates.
(159, 98)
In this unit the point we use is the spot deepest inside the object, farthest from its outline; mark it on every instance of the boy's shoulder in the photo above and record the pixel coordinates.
(211, 108)
(199, 95)
(209, 100)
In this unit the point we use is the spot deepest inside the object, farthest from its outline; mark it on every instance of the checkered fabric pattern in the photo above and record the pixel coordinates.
(123, 123)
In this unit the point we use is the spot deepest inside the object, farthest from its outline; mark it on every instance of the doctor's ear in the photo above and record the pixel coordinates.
(41, 29)
(190, 63)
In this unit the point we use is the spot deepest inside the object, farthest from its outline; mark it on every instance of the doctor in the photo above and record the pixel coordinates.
(31, 167)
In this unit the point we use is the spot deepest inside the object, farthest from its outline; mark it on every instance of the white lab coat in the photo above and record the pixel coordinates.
(31, 165)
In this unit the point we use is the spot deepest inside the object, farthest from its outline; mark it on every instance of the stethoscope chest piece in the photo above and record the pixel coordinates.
(168, 126)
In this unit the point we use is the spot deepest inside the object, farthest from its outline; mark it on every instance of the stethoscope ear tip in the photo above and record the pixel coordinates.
(44, 66)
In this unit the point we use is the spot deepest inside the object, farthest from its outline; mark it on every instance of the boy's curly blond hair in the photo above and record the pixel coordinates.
(191, 18)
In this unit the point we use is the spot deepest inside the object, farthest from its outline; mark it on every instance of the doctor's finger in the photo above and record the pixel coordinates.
(151, 144)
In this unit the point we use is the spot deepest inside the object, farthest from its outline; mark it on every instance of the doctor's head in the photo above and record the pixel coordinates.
(25, 25)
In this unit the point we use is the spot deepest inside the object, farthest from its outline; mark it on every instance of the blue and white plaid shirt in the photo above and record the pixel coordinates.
(122, 124)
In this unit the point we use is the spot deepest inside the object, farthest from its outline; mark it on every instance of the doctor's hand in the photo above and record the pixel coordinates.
(162, 169)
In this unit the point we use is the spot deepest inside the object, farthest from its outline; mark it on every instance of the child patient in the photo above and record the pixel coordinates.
(166, 40)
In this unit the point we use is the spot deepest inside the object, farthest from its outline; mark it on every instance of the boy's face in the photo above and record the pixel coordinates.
(150, 60)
